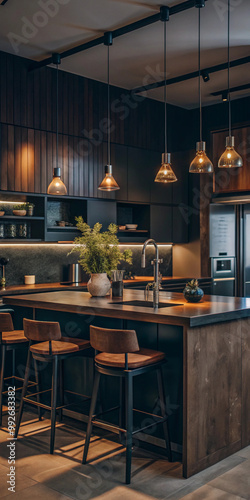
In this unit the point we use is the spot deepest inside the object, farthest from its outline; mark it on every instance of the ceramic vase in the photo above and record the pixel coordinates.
(99, 285)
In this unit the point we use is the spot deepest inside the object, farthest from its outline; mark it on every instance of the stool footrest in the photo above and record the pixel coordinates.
(106, 411)
(42, 405)
(107, 426)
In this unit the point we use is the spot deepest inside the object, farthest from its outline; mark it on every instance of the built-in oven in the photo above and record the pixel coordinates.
(223, 274)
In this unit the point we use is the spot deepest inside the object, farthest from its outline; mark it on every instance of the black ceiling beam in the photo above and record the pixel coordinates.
(124, 30)
(194, 74)
(233, 89)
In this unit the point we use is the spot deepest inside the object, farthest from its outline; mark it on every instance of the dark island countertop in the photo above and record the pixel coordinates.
(212, 309)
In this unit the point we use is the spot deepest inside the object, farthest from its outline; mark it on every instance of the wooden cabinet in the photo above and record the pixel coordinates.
(119, 160)
(101, 211)
(180, 225)
(139, 178)
(161, 223)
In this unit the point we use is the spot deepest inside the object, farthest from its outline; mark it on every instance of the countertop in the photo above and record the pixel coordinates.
(212, 309)
(48, 287)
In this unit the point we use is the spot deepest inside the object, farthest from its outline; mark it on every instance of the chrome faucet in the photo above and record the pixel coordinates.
(155, 263)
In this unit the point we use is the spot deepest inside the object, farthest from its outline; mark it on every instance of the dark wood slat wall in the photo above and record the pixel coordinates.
(28, 126)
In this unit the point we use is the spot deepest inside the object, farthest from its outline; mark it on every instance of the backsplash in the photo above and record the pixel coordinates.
(48, 261)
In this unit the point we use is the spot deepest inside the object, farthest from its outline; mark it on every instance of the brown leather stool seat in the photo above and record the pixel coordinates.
(13, 337)
(143, 357)
(63, 346)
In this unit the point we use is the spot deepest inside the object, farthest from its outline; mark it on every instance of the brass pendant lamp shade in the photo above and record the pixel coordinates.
(165, 173)
(230, 158)
(57, 187)
(108, 183)
(201, 164)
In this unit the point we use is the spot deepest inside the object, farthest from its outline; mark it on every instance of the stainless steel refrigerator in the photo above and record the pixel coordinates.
(229, 241)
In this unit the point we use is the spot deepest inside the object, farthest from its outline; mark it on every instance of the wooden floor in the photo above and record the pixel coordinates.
(61, 476)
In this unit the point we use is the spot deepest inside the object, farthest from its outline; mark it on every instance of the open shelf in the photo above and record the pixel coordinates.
(132, 230)
(20, 240)
(18, 217)
(62, 228)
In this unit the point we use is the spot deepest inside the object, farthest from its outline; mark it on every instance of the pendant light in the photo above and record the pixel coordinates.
(230, 158)
(201, 163)
(57, 187)
(165, 173)
(108, 183)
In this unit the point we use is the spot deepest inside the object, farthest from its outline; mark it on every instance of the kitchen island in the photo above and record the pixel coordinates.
(210, 343)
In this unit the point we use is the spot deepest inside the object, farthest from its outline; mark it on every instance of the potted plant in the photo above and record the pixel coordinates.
(30, 209)
(192, 292)
(20, 210)
(2, 211)
(99, 255)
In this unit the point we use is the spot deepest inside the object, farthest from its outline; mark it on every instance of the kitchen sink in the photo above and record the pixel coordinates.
(145, 303)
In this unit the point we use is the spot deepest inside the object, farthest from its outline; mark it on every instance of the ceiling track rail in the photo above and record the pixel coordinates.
(194, 74)
(124, 30)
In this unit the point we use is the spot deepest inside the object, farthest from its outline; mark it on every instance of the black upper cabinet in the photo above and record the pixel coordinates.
(119, 160)
(139, 178)
(180, 224)
(160, 193)
(180, 162)
(161, 223)
(101, 211)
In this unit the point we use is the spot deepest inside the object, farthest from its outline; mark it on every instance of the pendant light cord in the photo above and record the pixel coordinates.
(109, 155)
(165, 85)
(199, 65)
(57, 116)
(228, 73)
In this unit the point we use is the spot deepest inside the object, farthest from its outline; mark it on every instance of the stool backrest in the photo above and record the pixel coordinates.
(6, 324)
(41, 331)
(113, 341)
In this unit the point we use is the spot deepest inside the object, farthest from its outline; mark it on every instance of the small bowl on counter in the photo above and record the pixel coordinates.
(20, 213)
(131, 227)
(2, 213)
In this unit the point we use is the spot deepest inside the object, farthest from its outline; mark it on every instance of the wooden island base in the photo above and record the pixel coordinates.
(214, 350)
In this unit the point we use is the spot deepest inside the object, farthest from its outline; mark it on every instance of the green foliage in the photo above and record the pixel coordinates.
(99, 252)
(193, 284)
(29, 205)
(23, 206)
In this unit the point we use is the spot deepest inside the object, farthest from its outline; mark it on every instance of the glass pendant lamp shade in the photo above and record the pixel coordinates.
(230, 158)
(57, 186)
(201, 163)
(108, 183)
(166, 174)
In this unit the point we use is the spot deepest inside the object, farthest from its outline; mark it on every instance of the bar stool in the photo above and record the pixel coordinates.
(118, 355)
(10, 340)
(47, 345)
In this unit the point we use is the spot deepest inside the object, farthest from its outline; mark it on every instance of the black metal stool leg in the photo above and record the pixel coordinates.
(39, 409)
(53, 403)
(24, 391)
(91, 413)
(163, 412)
(13, 366)
(129, 423)
(2, 383)
(122, 409)
(61, 389)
